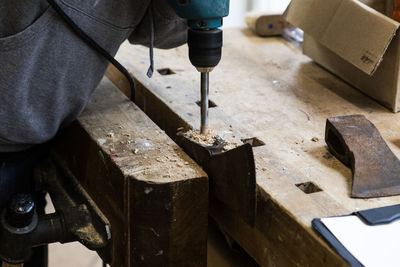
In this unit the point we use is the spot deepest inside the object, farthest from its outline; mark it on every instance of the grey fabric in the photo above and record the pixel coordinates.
(16, 17)
(48, 73)
(169, 30)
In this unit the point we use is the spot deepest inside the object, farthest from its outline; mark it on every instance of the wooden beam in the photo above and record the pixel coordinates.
(153, 194)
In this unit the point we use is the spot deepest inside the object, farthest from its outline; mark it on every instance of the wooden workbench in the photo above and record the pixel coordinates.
(266, 88)
(154, 196)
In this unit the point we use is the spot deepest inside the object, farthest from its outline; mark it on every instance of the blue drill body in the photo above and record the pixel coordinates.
(204, 40)
(202, 14)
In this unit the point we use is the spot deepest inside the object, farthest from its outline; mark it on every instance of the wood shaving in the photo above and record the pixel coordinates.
(230, 146)
(315, 139)
(207, 139)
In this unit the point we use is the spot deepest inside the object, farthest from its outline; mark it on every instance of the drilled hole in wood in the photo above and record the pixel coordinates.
(166, 71)
(254, 141)
(309, 187)
(211, 104)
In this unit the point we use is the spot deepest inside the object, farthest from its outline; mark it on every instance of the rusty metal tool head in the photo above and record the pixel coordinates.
(232, 174)
(357, 143)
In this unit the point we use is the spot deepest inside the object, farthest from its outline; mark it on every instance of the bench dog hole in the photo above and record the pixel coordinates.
(253, 141)
(166, 71)
(309, 187)
(211, 104)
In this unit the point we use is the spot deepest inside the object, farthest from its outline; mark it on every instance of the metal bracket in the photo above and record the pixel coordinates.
(90, 227)
(77, 218)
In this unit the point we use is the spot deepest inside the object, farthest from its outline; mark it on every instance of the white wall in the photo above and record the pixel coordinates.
(274, 5)
(238, 9)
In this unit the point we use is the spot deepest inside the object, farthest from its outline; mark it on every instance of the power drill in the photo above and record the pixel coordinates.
(204, 40)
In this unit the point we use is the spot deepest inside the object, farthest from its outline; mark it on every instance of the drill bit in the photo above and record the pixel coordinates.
(204, 101)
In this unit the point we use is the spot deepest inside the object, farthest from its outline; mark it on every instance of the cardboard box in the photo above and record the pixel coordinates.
(382, 6)
(355, 42)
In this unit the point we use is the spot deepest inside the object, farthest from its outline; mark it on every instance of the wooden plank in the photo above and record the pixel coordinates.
(154, 195)
(266, 88)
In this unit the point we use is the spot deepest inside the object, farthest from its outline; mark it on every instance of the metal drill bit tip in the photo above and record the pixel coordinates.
(204, 101)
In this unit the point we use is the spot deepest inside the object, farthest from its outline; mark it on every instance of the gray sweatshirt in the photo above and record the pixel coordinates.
(48, 73)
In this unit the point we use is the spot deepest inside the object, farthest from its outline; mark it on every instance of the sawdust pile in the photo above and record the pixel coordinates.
(231, 146)
(207, 139)
(212, 139)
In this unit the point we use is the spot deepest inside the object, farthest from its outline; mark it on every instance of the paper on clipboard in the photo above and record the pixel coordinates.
(373, 246)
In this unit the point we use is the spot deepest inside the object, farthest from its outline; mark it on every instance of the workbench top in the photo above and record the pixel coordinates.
(266, 88)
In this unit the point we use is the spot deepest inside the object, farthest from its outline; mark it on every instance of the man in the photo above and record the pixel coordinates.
(48, 72)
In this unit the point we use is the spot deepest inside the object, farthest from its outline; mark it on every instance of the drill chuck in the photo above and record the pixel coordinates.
(204, 40)
(205, 47)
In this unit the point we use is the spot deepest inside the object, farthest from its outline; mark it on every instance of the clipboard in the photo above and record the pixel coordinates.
(371, 217)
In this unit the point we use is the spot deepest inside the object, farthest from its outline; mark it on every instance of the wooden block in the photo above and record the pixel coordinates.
(154, 195)
(265, 24)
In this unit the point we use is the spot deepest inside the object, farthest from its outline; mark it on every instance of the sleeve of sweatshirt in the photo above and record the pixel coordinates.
(169, 30)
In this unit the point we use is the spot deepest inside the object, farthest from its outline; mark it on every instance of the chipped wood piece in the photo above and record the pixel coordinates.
(157, 209)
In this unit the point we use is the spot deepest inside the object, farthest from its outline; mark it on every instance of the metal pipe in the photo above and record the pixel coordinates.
(204, 101)
(50, 229)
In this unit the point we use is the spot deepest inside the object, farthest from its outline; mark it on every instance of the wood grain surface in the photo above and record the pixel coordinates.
(266, 88)
(153, 194)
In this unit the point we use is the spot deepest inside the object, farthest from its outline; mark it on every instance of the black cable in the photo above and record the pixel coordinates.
(95, 45)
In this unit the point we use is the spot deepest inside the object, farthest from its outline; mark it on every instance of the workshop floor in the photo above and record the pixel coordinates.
(218, 252)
